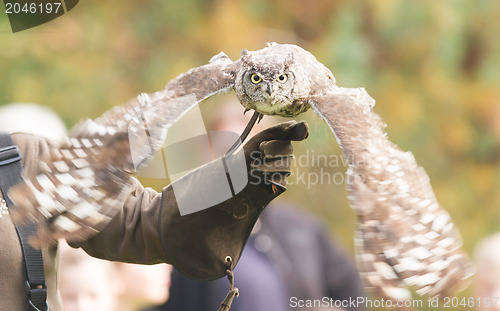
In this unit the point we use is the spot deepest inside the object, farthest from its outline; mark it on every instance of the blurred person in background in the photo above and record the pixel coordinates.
(487, 281)
(142, 286)
(289, 254)
(88, 283)
(33, 119)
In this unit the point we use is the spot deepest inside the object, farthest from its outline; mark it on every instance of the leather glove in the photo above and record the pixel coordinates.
(269, 153)
(208, 239)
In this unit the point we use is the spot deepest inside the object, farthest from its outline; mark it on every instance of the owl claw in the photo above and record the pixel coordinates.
(260, 118)
(246, 110)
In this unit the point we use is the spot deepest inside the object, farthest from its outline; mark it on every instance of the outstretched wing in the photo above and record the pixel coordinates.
(148, 116)
(404, 239)
(77, 190)
(85, 181)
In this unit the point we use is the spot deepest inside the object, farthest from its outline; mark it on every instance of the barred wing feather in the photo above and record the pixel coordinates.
(404, 238)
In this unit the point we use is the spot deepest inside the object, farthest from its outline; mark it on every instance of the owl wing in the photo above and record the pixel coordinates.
(82, 183)
(147, 117)
(404, 238)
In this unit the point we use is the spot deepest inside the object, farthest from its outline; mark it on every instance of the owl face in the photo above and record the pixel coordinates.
(268, 90)
(267, 84)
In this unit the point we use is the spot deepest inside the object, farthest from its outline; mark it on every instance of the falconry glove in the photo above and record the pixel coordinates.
(270, 160)
(206, 243)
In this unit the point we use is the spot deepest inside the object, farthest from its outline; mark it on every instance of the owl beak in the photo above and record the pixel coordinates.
(269, 89)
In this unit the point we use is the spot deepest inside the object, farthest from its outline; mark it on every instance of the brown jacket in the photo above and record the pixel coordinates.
(132, 236)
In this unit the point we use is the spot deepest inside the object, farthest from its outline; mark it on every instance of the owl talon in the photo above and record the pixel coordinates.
(260, 118)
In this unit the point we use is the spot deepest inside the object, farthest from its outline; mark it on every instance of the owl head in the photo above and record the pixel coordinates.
(276, 80)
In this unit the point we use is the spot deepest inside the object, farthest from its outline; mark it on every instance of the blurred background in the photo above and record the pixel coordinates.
(432, 66)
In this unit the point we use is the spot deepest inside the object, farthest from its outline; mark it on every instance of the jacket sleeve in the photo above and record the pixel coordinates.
(134, 234)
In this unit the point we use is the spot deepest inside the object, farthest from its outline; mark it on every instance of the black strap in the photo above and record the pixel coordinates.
(10, 174)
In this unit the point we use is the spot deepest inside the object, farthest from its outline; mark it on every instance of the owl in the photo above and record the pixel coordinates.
(405, 240)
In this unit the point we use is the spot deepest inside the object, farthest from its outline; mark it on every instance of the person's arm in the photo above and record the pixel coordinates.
(133, 234)
(201, 241)
(150, 228)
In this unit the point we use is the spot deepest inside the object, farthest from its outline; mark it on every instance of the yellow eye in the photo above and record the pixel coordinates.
(282, 78)
(255, 78)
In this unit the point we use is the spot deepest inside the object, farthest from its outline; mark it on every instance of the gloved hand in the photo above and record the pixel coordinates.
(269, 153)
(199, 243)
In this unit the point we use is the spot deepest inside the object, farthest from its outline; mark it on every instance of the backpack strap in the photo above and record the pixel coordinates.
(10, 174)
